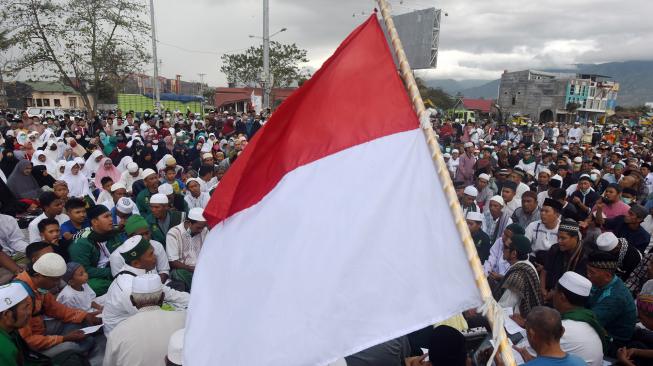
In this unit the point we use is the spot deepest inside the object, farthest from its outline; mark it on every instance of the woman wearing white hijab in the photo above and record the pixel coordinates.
(40, 158)
(122, 166)
(92, 163)
(61, 168)
(52, 151)
(76, 180)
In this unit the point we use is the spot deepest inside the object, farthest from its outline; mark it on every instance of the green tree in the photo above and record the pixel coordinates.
(437, 96)
(6, 41)
(247, 67)
(84, 43)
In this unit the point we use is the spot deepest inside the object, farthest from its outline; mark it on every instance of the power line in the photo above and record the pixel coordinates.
(199, 51)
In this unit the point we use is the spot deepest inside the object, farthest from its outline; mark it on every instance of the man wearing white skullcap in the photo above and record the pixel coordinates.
(151, 182)
(118, 191)
(60, 335)
(484, 190)
(481, 239)
(194, 195)
(14, 313)
(495, 219)
(184, 243)
(584, 335)
(469, 200)
(628, 257)
(161, 217)
(131, 175)
(176, 200)
(142, 338)
(140, 259)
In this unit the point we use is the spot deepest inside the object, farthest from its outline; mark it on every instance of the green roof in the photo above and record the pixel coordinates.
(50, 86)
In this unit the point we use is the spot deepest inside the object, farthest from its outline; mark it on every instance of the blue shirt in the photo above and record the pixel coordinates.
(68, 227)
(568, 360)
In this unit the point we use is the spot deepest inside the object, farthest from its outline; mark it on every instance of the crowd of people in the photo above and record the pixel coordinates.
(101, 223)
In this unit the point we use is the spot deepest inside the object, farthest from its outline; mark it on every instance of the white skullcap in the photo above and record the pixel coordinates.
(147, 172)
(455, 151)
(130, 244)
(545, 170)
(446, 155)
(207, 155)
(575, 283)
(471, 191)
(196, 180)
(50, 265)
(125, 205)
(607, 241)
(498, 199)
(148, 283)
(474, 216)
(132, 167)
(196, 214)
(166, 189)
(484, 176)
(117, 186)
(159, 198)
(11, 294)
(557, 177)
(578, 159)
(468, 144)
(176, 347)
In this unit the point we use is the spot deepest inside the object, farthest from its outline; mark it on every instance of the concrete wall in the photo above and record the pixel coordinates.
(64, 99)
(532, 96)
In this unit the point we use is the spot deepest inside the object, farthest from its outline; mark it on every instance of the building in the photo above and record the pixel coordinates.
(545, 96)
(53, 94)
(240, 99)
(142, 84)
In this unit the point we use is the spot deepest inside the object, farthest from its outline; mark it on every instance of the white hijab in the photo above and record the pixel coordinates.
(50, 165)
(90, 167)
(77, 184)
(162, 163)
(57, 174)
(122, 166)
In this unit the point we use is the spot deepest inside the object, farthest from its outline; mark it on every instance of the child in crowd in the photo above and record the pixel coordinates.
(76, 210)
(50, 233)
(77, 293)
(169, 177)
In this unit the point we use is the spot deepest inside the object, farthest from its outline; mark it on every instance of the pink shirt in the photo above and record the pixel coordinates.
(614, 210)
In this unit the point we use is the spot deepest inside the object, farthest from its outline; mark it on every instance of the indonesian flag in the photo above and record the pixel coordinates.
(331, 232)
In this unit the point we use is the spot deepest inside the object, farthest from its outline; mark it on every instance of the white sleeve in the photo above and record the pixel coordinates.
(162, 264)
(33, 231)
(176, 298)
(116, 262)
(15, 237)
(172, 245)
(530, 231)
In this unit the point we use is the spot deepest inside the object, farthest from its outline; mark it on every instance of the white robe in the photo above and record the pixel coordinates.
(77, 184)
(118, 306)
(90, 167)
(142, 339)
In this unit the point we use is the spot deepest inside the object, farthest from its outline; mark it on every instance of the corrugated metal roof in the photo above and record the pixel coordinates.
(50, 86)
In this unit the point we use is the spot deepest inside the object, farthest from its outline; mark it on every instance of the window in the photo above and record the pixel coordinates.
(57, 102)
(39, 103)
(46, 102)
(514, 100)
(72, 101)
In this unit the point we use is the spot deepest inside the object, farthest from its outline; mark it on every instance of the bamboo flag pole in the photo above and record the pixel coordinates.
(445, 179)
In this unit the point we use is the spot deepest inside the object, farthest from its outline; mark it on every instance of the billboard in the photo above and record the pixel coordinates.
(419, 32)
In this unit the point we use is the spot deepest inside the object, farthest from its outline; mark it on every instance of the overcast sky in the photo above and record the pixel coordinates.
(479, 38)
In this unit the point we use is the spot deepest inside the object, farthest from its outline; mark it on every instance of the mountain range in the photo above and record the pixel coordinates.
(634, 77)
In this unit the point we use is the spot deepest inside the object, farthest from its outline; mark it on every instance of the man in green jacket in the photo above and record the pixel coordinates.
(151, 182)
(161, 218)
(610, 300)
(93, 248)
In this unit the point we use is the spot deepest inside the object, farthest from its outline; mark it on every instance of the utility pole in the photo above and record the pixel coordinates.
(157, 93)
(266, 54)
(201, 90)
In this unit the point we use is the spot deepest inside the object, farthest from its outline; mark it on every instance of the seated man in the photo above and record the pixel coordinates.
(544, 330)
(496, 267)
(14, 314)
(627, 256)
(140, 259)
(12, 239)
(151, 182)
(161, 218)
(629, 227)
(520, 288)
(184, 243)
(62, 332)
(93, 248)
(118, 191)
(136, 225)
(142, 339)
(528, 212)
(584, 336)
(481, 240)
(50, 233)
(610, 300)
